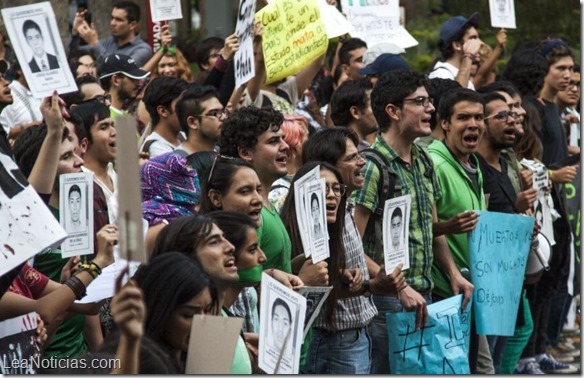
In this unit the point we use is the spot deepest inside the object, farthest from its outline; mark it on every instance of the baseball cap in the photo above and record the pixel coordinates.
(385, 63)
(454, 25)
(4, 66)
(118, 63)
(374, 51)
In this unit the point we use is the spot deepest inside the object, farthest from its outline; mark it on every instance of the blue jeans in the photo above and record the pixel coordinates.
(378, 332)
(341, 352)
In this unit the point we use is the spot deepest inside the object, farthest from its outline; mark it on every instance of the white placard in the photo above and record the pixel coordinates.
(244, 61)
(76, 213)
(317, 224)
(334, 22)
(19, 349)
(315, 298)
(540, 175)
(502, 14)
(377, 21)
(165, 10)
(36, 41)
(300, 207)
(282, 313)
(396, 227)
(26, 224)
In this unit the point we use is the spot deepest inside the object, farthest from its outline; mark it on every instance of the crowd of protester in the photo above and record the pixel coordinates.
(218, 165)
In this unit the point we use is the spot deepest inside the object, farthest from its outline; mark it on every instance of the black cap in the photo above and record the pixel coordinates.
(117, 63)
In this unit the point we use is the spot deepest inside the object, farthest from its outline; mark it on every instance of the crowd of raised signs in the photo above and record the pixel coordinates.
(425, 218)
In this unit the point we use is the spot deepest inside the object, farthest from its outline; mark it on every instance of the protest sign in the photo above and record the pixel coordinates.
(334, 22)
(76, 213)
(293, 36)
(502, 14)
(540, 176)
(317, 224)
(20, 352)
(37, 44)
(244, 61)
(498, 249)
(216, 357)
(396, 232)
(164, 10)
(26, 223)
(315, 298)
(439, 347)
(129, 220)
(301, 206)
(377, 21)
(282, 313)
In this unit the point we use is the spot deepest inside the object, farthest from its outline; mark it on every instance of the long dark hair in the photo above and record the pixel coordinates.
(336, 262)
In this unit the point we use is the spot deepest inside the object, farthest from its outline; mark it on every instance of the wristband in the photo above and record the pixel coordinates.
(77, 287)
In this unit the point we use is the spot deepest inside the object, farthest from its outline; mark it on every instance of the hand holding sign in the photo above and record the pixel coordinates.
(411, 300)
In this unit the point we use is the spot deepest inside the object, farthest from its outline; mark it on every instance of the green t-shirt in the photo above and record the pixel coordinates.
(274, 241)
(68, 340)
(241, 361)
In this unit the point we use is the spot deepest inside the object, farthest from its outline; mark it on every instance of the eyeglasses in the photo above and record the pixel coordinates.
(338, 189)
(355, 158)
(104, 99)
(503, 115)
(218, 113)
(574, 84)
(217, 157)
(420, 101)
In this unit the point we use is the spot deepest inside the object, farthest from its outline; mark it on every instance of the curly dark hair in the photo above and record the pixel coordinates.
(392, 88)
(27, 146)
(526, 70)
(243, 128)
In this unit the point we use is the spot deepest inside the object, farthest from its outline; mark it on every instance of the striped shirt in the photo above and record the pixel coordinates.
(424, 192)
(353, 312)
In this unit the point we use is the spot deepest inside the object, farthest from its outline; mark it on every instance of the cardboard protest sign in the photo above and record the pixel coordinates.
(377, 21)
(20, 353)
(439, 347)
(244, 61)
(498, 249)
(212, 357)
(76, 213)
(293, 36)
(164, 10)
(315, 298)
(129, 192)
(26, 223)
(502, 14)
(396, 232)
(317, 224)
(300, 206)
(37, 44)
(282, 314)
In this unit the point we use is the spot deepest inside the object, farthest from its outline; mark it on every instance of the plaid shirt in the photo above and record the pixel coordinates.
(424, 192)
(353, 312)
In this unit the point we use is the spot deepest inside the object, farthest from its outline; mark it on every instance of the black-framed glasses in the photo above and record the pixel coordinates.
(217, 157)
(503, 115)
(420, 101)
(104, 99)
(217, 113)
(355, 158)
(573, 84)
(338, 189)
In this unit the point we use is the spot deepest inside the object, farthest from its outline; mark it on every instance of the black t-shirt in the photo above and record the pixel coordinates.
(497, 185)
(553, 135)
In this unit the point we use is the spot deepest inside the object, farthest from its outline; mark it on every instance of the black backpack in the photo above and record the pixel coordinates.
(389, 187)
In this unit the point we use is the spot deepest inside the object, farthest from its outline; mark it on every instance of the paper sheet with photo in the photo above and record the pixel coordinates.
(300, 207)
(244, 61)
(18, 342)
(40, 52)
(317, 225)
(282, 313)
(396, 236)
(216, 357)
(27, 226)
(315, 298)
(165, 10)
(76, 213)
(540, 175)
(502, 14)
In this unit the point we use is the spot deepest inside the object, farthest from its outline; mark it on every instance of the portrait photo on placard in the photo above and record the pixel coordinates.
(76, 213)
(396, 226)
(502, 13)
(316, 212)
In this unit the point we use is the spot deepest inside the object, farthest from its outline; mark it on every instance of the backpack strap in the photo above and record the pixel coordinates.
(146, 146)
(389, 185)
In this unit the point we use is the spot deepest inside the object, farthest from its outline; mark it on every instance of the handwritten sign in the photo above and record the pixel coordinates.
(498, 249)
(244, 61)
(377, 21)
(502, 14)
(294, 35)
(439, 347)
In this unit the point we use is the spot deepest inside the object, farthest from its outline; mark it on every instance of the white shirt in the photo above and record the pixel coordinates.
(159, 147)
(24, 109)
(445, 70)
(110, 197)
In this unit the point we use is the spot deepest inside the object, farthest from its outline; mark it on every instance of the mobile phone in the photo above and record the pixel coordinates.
(88, 17)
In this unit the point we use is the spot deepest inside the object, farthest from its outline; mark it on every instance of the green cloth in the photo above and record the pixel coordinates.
(68, 341)
(274, 241)
(241, 361)
(424, 192)
(304, 347)
(458, 194)
(517, 342)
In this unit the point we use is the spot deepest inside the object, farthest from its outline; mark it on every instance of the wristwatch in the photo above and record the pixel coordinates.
(366, 289)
